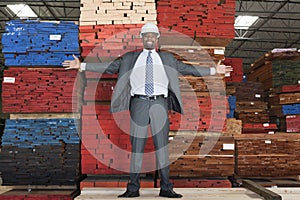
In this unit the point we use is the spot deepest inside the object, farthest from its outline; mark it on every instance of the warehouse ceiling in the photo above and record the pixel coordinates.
(278, 25)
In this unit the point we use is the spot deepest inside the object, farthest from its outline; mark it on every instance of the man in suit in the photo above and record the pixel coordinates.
(147, 86)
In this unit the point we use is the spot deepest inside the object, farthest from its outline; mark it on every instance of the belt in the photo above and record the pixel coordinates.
(145, 97)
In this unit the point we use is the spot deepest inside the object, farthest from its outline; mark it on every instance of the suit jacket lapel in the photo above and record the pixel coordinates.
(134, 58)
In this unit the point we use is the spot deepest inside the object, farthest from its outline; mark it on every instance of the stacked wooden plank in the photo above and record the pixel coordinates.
(40, 90)
(108, 41)
(251, 107)
(233, 126)
(95, 12)
(264, 155)
(110, 29)
(2, 115)
(199, 183)
(278, 71)
(204, 99)
(200, 113)
(38, 194)
(237, 66)
(285, 107)
(293, 123)
(114, 181)
(1, 54)
(103, 91)
(40, 141)
(106, 145)
(209, 22)
(40, 152)
(201, 155)
(107, 31)
(35, 43)
(232, 106)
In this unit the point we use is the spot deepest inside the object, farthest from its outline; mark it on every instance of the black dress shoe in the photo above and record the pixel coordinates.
(129, 194)
(169, 193)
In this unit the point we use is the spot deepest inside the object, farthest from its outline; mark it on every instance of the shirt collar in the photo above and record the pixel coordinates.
(146, 51)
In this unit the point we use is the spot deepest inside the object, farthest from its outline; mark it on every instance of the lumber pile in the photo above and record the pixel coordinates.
(237, 66)
(99, 91)
(41, 90)
(38, 193)
(117, 12)
(204, 100)
(265, 155)
(107, 42)
(201, 155)
(250, 107)
(40, 142)
(40, 152)
(114, 181)
(107, 31)
(278, 71)
(293, 123)
(209, 22)
(199, 183)
(285, 107)
(233, 126)
(35, 43)
(106, 145)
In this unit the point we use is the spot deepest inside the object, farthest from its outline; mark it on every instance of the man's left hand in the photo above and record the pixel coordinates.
(223, 69)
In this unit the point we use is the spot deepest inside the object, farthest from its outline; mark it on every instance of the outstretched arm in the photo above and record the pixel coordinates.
(105, 67)
(187, 69)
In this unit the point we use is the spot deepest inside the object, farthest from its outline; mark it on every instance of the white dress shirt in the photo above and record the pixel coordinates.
(137, 77)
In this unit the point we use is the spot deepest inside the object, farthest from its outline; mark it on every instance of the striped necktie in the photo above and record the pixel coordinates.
(149, 88)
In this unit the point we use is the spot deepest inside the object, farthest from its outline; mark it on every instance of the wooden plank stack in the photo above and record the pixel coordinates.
(209, 22)
(38, 194)
(40, 152)
(103, 91)
(204, 100)
(201, 155)
(99, 12)
(114, 181)
(201, 113)
(293, 123)
(110, 29)
(278, 71)
(199, 183)
(106, 145)
(35, 43)
(285, 107)
(40, 141)
(251, 107)
(107, 31)
(237, 65)
(41, 90)
(107, 42)
(265, 155)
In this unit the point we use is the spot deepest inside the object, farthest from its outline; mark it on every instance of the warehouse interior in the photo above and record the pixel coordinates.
(277, 26)
(254, 152)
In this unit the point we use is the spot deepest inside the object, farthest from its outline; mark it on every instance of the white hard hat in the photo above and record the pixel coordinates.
(150, 28)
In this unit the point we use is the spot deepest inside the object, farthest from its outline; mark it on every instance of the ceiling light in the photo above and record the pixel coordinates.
(245, 21)
(22, 10)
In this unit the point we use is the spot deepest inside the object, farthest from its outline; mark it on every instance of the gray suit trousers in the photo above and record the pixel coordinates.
(144, 112)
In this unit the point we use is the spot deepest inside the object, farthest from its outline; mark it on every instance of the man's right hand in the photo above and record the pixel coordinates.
(72, 64)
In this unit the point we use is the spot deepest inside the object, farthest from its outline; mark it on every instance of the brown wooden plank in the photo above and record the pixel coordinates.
(267, 194)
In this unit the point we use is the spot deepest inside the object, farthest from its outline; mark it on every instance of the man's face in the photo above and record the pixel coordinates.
(149, 40)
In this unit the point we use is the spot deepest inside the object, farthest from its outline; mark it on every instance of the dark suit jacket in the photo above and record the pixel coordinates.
(123, 66)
